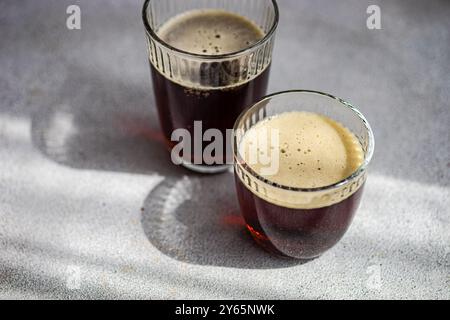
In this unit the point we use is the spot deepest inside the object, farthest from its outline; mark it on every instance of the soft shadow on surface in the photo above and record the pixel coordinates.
(109, 126)
(197, 220)
(105, 273)
(102, 124)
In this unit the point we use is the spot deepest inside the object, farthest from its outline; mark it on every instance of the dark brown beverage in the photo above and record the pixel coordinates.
(179, 106)
(301, 233)
(314, 152)
(220, 93)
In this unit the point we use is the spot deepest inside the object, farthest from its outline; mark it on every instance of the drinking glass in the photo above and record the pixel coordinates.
(198, 92)
(300, 222)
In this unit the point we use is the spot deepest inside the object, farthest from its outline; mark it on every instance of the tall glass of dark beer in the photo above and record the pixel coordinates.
(209, 61)
(301, 161)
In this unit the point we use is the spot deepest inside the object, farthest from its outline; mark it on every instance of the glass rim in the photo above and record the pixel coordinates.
(357, 173)
(152, 33)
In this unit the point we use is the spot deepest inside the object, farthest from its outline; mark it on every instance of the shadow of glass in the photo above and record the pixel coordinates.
(105, 125)
(102, 124)
(197, 220)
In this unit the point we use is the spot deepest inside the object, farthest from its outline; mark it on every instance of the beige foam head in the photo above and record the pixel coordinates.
(313, 151)
(210, 32)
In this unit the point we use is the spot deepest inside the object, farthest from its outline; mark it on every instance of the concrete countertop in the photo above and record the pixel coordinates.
(90, 206)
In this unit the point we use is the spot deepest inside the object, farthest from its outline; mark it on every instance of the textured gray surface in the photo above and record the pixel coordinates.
(91, 208)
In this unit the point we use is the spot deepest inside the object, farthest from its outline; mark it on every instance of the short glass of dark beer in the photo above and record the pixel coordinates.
(209, 61)
(301, 161)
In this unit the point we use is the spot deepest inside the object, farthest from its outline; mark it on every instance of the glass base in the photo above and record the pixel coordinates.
(201, 168)
(267, 246)
(206, 169)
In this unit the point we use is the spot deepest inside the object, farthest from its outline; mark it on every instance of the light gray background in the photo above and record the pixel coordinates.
(90, 206)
